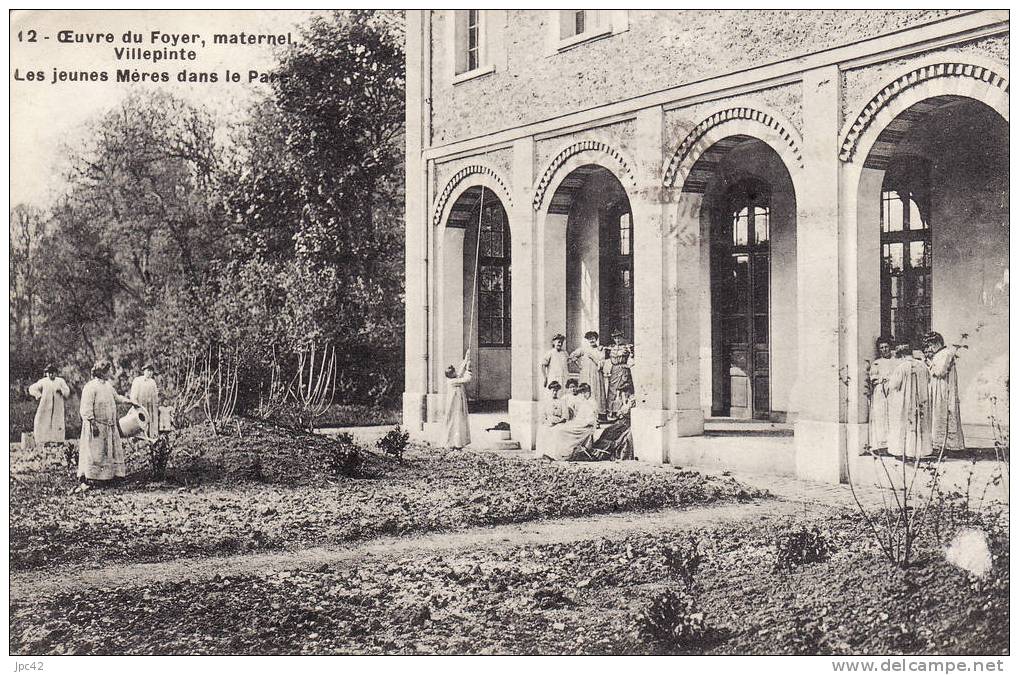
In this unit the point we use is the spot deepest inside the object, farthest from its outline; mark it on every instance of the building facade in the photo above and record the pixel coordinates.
(752, 197)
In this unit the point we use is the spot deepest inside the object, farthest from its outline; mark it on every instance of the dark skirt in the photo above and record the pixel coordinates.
(616, 442)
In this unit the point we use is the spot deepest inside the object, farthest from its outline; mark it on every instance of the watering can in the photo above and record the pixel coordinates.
(133, 423)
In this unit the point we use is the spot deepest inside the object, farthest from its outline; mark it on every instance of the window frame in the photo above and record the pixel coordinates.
(895, 305)
(505, 263)
(459, 38)
(598, 23)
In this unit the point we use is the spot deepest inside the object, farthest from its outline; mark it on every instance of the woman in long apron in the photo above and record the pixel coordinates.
(457, 428)
(100, 449)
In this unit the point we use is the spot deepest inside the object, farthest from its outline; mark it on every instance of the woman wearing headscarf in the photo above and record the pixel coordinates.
(101, 450)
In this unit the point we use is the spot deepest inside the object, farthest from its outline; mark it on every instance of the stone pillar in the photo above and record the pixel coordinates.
(860, 218)
(651, 417)
(416, 225)
(526, 336)
(820, 431)
(684, 238)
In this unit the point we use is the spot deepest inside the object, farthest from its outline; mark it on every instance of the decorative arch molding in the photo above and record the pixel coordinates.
(746, 118)
(981, 81)
(490, 178)
(595, 150)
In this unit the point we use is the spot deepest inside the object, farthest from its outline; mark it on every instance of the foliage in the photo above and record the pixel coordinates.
(394, 443)
(683, 560)
(345, 456)
(673, 618)
(176, 234)
(160, 452)
(801, 546)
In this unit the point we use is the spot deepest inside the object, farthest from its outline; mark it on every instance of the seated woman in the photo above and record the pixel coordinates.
(579, 431)
(616, 442)
(554, 414)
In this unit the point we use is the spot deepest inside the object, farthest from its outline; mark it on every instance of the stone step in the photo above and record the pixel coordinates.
(728, 426)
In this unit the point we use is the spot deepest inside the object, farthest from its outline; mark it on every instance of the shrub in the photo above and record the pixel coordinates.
(160, 451)
(801, 546)
(346, 457)
(673, 618)
(394, 443)
(683, 560)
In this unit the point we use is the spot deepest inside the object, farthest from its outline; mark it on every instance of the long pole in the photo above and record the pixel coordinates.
(477, 259)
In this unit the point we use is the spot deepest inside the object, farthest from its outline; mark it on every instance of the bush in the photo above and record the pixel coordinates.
(346, 457)
(673, 619)
(394, 443)
(683, 560)
(801, 547)
(160, 451)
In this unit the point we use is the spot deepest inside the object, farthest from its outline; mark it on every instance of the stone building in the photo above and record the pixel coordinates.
(753, 197)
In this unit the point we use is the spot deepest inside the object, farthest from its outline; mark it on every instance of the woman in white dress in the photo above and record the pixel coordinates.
(457, 428)
(100, 449)
(51, 391)
(946, 420)
(591, 359)
(146, 393)
(909, 422)
(554, 363)
(554, 414)
(880, 372)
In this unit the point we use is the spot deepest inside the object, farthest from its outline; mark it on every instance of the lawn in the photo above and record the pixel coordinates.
(579, 598)
(273, 489)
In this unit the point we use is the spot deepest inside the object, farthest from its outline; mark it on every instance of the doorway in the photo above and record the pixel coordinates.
(740, 299)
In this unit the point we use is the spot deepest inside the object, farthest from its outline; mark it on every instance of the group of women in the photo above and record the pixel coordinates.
(597, 389)
(100, 447)
(915, 398)
(600, 389)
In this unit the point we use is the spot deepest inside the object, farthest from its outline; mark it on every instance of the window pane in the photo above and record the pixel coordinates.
(624, 234)
(490, 305)
(624, 278)
(761, 225)
(491, 278)
(918, 258)
(916, 221)
(739, 229)
(893, 259)
(580, 21)
(892, 212)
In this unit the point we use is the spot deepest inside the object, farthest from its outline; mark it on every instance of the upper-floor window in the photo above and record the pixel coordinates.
(470, 40)
(473, 39)
(573, 26)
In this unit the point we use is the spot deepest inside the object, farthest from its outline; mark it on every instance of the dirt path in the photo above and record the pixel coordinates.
(37, 583)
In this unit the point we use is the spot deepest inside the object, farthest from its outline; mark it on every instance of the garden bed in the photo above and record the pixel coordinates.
(221, 505)
(576, 598)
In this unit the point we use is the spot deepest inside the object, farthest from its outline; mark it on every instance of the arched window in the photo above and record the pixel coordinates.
(494, 279)
(905, 251)
(617, 270)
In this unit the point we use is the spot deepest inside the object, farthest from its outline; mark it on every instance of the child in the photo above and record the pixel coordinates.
(553, 364)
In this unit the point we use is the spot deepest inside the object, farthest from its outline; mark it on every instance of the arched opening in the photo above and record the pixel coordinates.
(933, 238)
(592, 209)
(748, 270)
(476, 313)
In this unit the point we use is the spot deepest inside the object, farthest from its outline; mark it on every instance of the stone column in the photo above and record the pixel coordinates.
(526, 336)
(820, 431)
(684, 237)
(860, 218)
(416, 225)
(651, 417)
